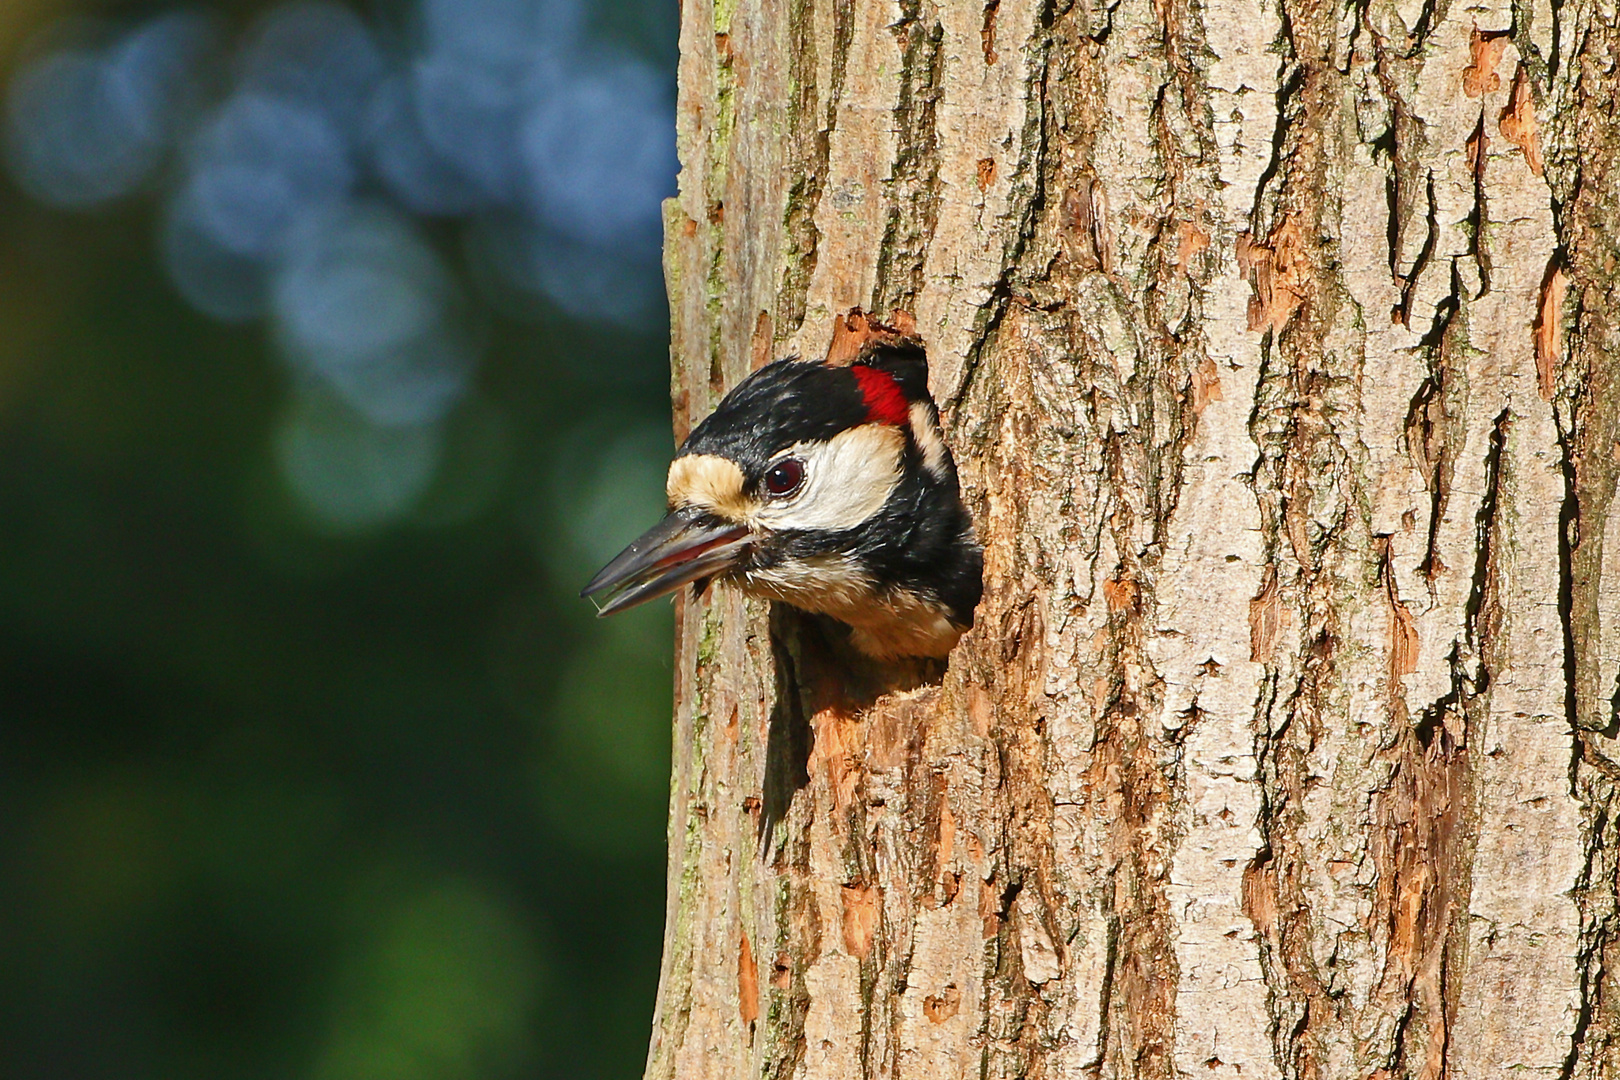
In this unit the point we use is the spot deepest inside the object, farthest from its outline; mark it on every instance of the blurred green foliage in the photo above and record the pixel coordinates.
(284, 803)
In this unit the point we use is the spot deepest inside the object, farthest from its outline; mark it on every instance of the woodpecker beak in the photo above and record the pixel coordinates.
(685, 546)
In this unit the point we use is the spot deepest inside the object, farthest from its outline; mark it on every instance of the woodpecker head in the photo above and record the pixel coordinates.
(828, 488)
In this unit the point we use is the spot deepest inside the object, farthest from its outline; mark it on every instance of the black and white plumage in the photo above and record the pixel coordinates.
(827, 488)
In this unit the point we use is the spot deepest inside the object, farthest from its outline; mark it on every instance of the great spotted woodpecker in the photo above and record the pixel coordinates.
(828, 488)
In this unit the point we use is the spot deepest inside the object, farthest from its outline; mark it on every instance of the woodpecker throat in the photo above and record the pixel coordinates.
(827, 488)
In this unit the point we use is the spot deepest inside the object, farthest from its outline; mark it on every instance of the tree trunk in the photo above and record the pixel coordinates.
(1274, 346)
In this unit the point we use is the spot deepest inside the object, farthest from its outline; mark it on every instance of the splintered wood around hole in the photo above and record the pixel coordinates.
(855, 331)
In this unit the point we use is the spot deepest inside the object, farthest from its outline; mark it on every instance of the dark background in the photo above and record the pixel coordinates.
(312, 763)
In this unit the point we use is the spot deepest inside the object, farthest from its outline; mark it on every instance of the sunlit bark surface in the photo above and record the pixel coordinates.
(1275, 344)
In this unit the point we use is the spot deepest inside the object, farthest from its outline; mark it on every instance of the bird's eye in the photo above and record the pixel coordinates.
(785, 477)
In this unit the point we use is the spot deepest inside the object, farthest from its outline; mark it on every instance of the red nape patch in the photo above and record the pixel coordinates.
(885, 401)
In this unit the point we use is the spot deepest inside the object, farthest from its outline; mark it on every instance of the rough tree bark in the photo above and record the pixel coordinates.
(1273, 343)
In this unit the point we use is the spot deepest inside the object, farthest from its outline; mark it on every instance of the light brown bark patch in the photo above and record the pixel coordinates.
(1206, 385)
(942, 1006)
(761, 346)
(1549, 329)
(1403, 640)
(1124, 595)
(1278, 271)
(946, 881)
(1518, 122)
(981, 710)
(1421, 850)
(1476, 147)
(1265, 619)
(747, 982)
(1403, 635)
(1190, 243)
(861, 903)
(990, 908)
(1480, 77)
(1083, 225)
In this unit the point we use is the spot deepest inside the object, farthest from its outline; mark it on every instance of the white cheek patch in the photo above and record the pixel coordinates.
(847, 479)
(925, 432)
